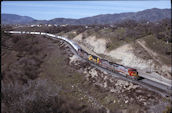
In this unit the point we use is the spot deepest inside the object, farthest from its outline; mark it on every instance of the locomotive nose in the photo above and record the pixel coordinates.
(138, 77)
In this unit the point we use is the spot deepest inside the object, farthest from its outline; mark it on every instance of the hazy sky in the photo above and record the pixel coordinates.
(77, 9)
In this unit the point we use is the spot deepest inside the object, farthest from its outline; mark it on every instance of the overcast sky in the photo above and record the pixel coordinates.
(77, 9)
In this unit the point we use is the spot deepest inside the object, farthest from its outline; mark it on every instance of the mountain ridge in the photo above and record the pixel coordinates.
(151, 15)
(15, 19)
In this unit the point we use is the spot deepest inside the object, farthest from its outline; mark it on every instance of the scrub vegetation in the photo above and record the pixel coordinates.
(37, 76)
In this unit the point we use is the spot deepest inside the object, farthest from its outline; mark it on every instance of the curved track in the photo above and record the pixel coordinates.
(162, 89)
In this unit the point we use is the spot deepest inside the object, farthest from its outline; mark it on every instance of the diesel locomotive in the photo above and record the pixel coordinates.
(114, 67)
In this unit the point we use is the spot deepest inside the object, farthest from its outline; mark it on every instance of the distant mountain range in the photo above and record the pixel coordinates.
(15, 19)
(151, 15)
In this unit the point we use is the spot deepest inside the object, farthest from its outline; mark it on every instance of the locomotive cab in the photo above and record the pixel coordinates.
(94, 59)
(133, 73)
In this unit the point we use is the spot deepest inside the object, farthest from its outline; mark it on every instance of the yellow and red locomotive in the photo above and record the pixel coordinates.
(126, 71)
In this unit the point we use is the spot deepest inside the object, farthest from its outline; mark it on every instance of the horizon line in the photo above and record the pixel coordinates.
(83, 17)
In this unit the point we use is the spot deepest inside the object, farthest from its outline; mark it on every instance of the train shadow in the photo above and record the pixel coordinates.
(140, 78)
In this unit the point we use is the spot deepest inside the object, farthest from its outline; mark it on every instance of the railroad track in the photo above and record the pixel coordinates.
(162, 89)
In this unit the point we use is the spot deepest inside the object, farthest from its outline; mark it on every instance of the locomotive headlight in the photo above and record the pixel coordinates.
(134, 74)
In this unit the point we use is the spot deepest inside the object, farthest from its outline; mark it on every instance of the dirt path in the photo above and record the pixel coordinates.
(150, 52)
(163, 69)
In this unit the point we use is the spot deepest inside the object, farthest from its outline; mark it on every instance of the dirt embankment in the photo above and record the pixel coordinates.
(140, 57)
(116, 94)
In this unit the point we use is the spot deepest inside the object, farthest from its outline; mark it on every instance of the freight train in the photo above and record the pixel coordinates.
(126, 71)
(114, 67)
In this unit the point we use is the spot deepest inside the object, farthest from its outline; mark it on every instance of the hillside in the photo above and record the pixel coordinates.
(15, 19)
(42, 75)
(144, 46)
(151, 15)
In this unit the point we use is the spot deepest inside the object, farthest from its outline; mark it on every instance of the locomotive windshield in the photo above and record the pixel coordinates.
(131, 69)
